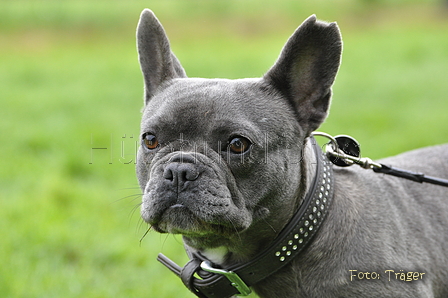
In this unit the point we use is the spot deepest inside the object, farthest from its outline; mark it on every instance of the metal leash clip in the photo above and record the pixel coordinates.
(344, 151)
(235, 280)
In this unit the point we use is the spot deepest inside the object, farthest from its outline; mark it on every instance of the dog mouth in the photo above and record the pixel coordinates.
(179, 219)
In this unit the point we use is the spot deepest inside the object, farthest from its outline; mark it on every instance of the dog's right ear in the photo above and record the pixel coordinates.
(157, 62)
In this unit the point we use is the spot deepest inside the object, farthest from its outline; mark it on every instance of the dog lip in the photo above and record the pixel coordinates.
(178, 219)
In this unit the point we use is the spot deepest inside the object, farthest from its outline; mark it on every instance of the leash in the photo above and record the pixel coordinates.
(206, 280)
(344, 151)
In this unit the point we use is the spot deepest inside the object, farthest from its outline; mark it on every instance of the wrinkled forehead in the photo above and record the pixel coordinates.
(188, 97)
(205, 94)
(192, 105)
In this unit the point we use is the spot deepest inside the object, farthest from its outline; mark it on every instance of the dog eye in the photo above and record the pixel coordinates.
(150, 141)
(239, 145)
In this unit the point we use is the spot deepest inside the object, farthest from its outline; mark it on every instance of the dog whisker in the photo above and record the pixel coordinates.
(135, 208)
(134, 196)
(132, 212)
(134, 187)
(270, 226)
(146, 233)
(140, 225)
(234, 227)
(166, 238)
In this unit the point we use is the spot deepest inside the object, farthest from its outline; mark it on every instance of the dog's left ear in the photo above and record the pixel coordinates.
(157, 62)
(306, 69)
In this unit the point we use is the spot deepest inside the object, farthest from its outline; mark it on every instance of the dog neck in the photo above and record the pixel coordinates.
(216, 255)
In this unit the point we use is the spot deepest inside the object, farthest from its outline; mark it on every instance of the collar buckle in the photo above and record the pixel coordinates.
(234, 279)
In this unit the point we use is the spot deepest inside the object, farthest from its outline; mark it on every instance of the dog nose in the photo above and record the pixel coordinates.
(181, 169)
(179, 173)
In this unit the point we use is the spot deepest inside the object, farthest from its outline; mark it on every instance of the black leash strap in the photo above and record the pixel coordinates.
(417, 177)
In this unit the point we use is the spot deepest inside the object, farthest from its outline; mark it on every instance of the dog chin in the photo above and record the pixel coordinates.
(178, 219)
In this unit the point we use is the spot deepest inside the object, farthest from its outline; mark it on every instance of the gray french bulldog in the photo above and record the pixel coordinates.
(226, 163)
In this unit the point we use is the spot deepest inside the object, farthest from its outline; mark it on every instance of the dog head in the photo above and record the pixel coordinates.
(221, 161)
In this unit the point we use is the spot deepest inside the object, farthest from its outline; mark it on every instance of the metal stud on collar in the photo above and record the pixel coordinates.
(310, 221)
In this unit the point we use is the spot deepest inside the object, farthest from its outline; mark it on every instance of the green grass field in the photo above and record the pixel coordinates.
(70, 82)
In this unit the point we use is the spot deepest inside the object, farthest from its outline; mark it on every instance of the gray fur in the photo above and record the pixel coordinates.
(230, 206)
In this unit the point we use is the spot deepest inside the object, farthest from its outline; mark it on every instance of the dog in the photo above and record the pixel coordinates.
(227, 164)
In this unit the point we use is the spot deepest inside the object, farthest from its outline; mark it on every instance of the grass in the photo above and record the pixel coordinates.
(70, 82)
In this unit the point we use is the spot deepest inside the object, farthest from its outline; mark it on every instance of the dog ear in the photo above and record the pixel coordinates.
(157, 62)
(306, 69)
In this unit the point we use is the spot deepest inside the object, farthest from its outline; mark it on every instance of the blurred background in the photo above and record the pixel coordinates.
(71, 92)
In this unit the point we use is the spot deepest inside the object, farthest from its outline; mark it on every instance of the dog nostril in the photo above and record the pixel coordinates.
(191, 175)
(168, 174)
